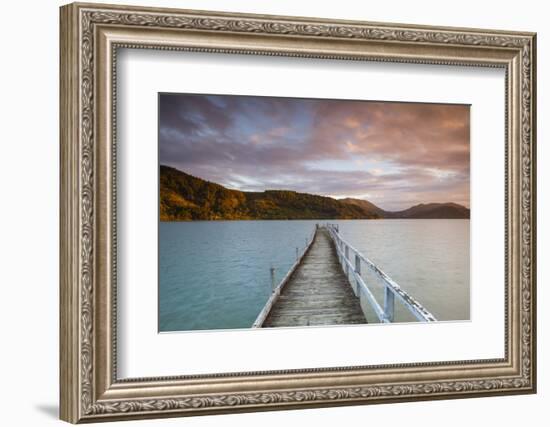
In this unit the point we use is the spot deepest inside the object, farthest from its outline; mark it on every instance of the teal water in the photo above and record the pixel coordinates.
(215, 274)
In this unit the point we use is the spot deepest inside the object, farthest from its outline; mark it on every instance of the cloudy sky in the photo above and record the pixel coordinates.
(392, 154)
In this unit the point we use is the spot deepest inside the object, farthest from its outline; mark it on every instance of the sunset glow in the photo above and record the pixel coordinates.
(393, 154)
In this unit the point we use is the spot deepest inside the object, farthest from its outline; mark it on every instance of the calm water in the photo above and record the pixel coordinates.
(215, 275)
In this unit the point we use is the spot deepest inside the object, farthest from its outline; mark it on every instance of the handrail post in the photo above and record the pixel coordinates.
(297, 253)
(272, 273)
(347, 258)
(389, 304)
(358, 272)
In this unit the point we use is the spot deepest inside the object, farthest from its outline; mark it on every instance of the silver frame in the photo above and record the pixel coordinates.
(90, 37)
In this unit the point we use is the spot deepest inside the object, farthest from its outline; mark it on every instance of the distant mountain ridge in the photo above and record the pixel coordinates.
(433, 211)
(184, 197)
(421, 211)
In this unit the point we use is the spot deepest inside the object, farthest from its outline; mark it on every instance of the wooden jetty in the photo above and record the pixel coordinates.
(325, 287)
(318, 293)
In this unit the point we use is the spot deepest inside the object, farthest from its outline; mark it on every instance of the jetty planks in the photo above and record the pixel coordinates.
(318, 292)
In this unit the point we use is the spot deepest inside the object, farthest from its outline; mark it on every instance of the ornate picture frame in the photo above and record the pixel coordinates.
(90, 37)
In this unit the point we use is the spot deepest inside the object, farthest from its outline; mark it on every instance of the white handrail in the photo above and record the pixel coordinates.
(391, 288)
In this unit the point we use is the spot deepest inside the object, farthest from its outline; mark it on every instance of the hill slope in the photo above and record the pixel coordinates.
(366, 206)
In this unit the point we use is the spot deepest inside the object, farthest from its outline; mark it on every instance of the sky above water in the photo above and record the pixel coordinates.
(393, 154)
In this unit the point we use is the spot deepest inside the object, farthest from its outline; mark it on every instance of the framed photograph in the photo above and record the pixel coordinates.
(265, 212)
